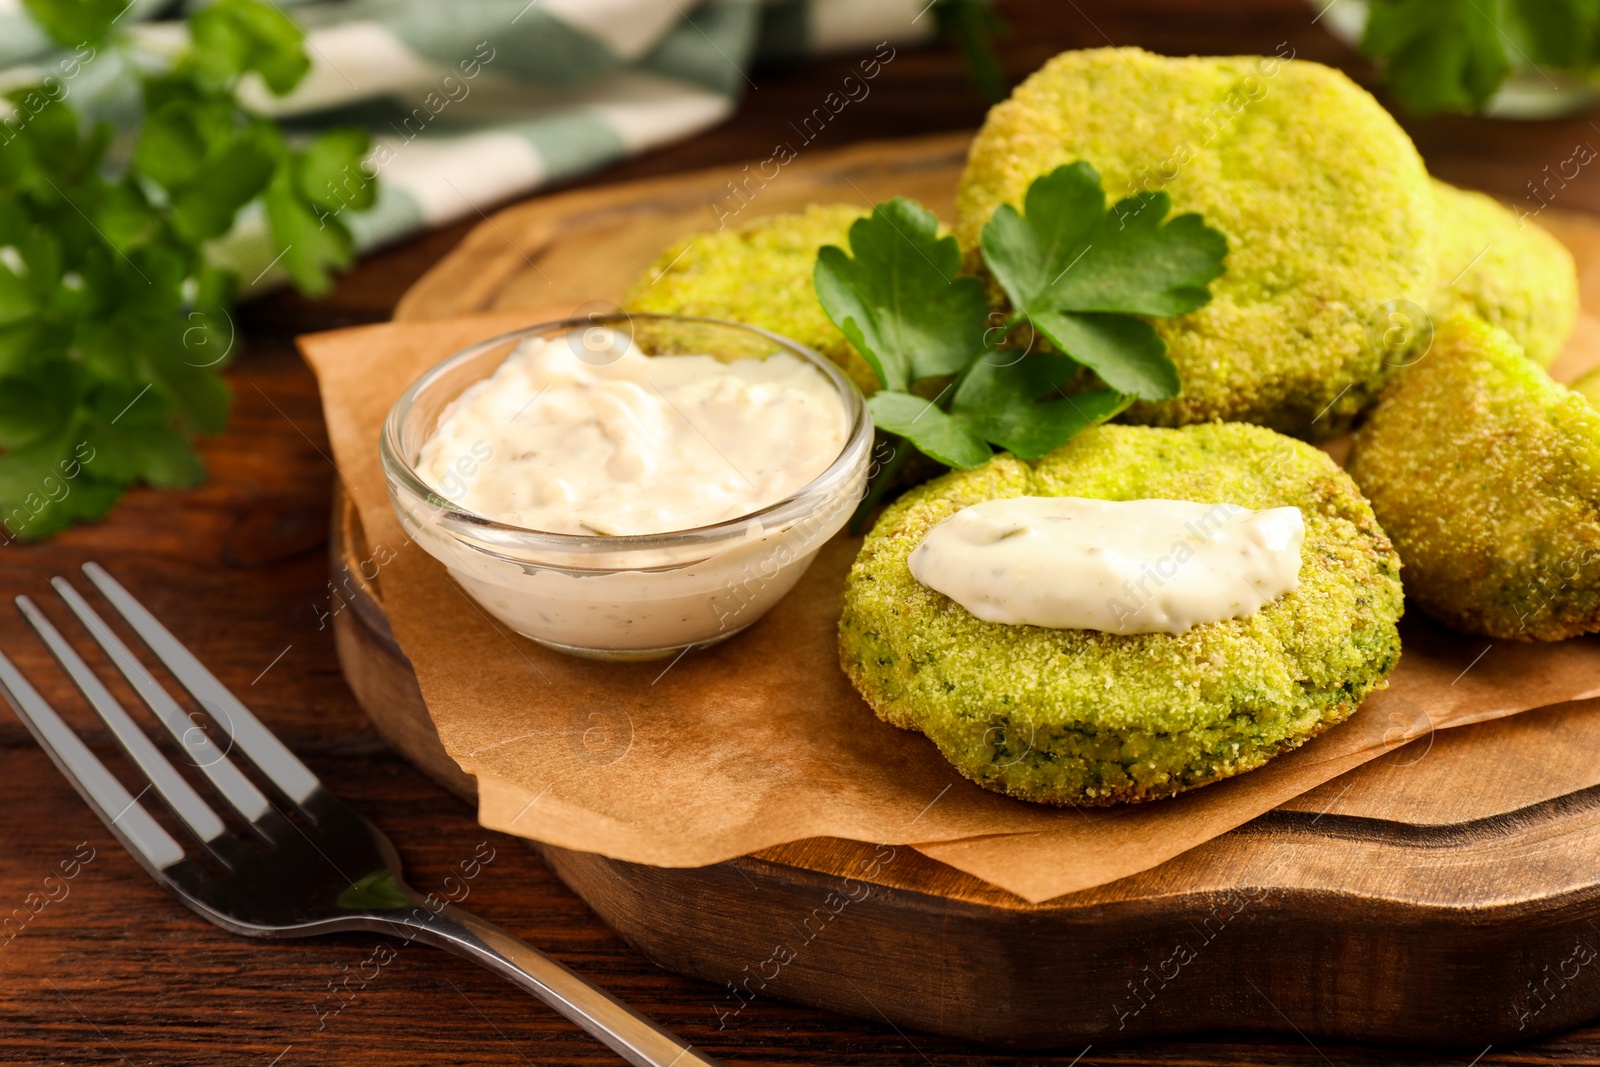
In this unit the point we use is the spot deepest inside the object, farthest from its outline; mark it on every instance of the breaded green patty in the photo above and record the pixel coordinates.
(1324, 201)
(1487, 475)
(1086, 717)
(758, 273)
(1508, 271)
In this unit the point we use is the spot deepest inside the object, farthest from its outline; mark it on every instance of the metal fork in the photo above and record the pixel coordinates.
(268, 875)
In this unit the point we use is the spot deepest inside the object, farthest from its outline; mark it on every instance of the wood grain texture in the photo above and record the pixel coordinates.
(119, 973)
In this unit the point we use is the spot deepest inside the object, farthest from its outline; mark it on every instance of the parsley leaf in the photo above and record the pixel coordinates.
(38, 403)
(936, 433)
(1439, 55)
(900, 300)
(1125, 352)
(1452, 55)
(310, 249)
(235, 37)
(176, 136)
(1076, 270)
(18, 301)
(1006, 403)
(1083, 276)
(71, 21)
(329, 170)
(206, 205)
(312, 186)
(1016, 404)
(1558, 33)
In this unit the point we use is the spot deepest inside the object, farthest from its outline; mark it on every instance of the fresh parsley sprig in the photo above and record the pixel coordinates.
(113, 325)
(1085, 277)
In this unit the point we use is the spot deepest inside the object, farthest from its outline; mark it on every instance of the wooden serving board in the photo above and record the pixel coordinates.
(1405, 916)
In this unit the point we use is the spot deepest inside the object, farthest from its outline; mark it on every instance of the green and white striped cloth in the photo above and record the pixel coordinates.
(471, 102)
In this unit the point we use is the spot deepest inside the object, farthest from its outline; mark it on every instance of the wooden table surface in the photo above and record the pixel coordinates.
(114, 971)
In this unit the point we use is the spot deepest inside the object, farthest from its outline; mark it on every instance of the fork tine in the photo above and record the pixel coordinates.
(132, 825)
(280, 765)
(178, 793)
(212, 761)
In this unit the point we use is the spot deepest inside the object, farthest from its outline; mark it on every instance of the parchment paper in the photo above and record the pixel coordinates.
(762, 740)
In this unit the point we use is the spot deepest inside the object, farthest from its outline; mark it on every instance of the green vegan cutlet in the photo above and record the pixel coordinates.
(1325, 203)
(758, 273)
(1085, 717)
(1487, 474)
(1510, 272)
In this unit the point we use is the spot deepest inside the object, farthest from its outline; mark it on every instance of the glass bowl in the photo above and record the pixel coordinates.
(626, 597)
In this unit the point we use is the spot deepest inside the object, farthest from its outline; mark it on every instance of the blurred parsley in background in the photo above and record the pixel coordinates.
(975, 26)
(1453, 55)
(113, 326)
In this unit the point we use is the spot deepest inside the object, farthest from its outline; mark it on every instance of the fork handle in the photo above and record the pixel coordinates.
(629, 1034)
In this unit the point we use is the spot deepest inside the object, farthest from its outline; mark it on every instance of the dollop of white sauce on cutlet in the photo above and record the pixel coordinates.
(1120, 566)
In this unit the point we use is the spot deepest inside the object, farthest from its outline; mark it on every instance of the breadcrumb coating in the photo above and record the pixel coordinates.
(1323, 198)
(758, 273)
(1487, 475)
(1510, 272)
(1085, 717)
(1589, 387)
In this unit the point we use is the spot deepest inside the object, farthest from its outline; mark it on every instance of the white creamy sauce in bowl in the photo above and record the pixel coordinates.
(561, 441)
(1120, 566)
(612, 503)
